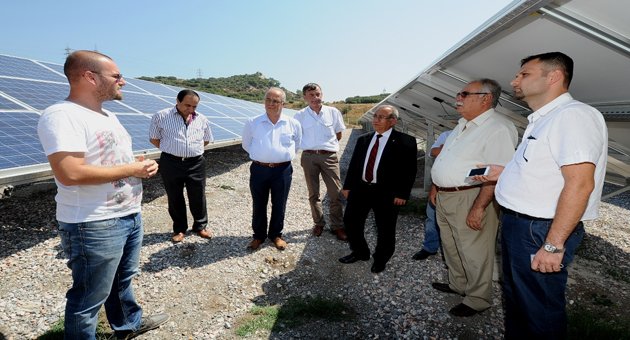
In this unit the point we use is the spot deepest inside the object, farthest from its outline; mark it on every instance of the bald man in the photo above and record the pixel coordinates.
(99, 191)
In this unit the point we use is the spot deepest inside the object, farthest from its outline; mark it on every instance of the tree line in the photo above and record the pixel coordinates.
(250, 87)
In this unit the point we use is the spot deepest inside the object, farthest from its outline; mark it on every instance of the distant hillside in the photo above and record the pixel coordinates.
(251, 87)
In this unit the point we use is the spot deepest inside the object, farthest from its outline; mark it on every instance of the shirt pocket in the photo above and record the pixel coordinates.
(530, 149)
(286, 139)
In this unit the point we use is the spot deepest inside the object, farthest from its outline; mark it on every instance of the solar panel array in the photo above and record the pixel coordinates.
(28, 86)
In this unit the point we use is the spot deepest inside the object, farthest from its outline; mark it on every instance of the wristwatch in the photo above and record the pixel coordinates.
(550, 248)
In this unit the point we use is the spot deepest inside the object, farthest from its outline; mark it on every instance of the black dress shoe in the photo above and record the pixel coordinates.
(422, 255)
(377, 267)
(463, 311)
(443, 287)
(352, 258)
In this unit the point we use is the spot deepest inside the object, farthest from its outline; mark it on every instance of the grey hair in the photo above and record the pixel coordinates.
(284, 95)
(491, 86)
(394, 110)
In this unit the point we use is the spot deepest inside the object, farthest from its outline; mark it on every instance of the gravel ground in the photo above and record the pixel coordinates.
(208, 286)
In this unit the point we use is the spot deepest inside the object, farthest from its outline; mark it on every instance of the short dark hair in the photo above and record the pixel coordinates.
(555, 60)
(310, 87)
(80, 61)
(183, 93)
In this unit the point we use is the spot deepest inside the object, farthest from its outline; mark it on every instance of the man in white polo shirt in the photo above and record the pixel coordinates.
(552, 184)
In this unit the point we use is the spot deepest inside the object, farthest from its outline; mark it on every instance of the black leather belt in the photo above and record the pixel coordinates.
(319, 152)
(452, 189)
(271, 165)
(182, 159)
(519, 215)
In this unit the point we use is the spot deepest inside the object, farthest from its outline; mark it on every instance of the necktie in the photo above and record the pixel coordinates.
(369, 168)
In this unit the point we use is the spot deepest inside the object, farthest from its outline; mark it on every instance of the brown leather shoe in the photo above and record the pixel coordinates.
(341, 234)
(279, 243)
(317, 230)
(255, 244)
(177, 237)
(204, 233)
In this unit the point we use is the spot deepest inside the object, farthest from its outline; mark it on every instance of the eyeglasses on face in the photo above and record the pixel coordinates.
(379, 117)
(273, 101)
(465, 94)
(117, 76)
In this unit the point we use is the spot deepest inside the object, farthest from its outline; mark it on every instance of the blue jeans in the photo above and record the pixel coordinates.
(534, 301)
(431, 241)
(103, 256)
(263, 182)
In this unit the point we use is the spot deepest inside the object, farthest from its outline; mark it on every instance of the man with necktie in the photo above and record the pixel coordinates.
(380, 176)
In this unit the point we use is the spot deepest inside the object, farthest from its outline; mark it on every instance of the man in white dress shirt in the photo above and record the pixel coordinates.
(271, 140)
(552, 184)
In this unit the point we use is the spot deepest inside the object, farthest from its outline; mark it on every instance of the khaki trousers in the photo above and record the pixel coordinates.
(326, 165)
(469, 253)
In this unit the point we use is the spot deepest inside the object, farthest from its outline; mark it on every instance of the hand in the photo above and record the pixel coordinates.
(399, 201)
(474, 218)
(345, 193)
(146, 168)
(433, 194)
(546, 262)
(493, 174)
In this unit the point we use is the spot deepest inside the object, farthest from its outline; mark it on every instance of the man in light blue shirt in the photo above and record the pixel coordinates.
(271, 140)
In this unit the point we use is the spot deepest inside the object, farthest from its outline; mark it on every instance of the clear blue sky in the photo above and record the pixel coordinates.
(349, 47)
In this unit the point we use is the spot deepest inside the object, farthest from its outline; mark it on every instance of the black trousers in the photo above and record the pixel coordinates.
(190, 173)
(381, 201)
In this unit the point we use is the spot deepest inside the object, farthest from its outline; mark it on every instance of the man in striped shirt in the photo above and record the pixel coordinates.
(181, 134)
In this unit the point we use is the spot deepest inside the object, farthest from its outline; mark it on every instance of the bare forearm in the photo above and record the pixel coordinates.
(571, 206)
(485, 196)
(71, 169)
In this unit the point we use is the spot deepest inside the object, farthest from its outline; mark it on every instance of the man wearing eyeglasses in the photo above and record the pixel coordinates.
(99, 191)
(380, 175)
(321, 131)
(181, 133)
(552, 184)
(466, 211)
(271, 139)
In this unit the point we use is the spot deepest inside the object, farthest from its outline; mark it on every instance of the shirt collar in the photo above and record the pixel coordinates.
(561, 99)
(384, 134)
(479, 120)
(176, 111)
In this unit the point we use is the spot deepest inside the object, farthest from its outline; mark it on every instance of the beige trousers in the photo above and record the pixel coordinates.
(469, 253)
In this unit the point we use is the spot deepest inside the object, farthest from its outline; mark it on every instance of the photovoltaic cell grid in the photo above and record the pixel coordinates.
(27, 87)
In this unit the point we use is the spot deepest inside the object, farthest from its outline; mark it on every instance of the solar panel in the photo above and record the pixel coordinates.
(27, 87)
(19, 141)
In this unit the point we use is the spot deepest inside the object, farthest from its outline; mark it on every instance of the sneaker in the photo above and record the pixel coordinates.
(422, 255)
(148, 323)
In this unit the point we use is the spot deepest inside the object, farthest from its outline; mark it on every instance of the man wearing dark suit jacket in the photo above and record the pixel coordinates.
(380, 176)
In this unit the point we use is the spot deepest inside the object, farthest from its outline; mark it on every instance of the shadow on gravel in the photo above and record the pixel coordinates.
(200, 254)
(28, 217)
